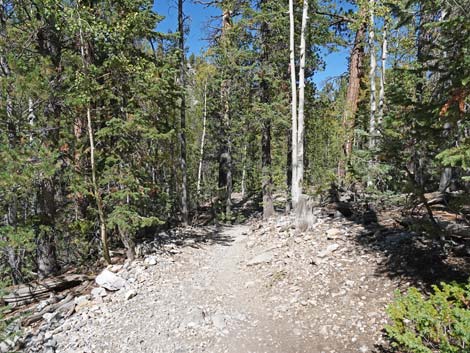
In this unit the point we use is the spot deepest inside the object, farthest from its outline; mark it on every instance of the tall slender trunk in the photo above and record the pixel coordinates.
(301, 119)
(383, 73)
(182, 135)
(293, 79)
(96, 191)
(373, 101)
(225, 159)
(243, 184)
(267, 179)
(203, 137)
(289, 170)
(266, 159)
(352, 97)
(226, 156)
(373, 67)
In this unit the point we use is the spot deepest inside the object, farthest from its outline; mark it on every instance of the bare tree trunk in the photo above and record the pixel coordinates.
(373, 103)
(383, 73)
(225, 160)
(373, 67)
(294, 185)
(266, 159)
(301, 119)
(289, 171)
(227, 156)
(243, 184)
(182, 135)
(352, 97)
(203, 137)
(267, 181)
(96, 191)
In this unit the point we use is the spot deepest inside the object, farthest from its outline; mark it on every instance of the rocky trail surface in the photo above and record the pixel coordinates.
(259, 287)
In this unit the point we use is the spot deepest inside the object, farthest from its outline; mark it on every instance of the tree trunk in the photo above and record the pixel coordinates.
(373, 67)
(267, 181)
(225, 159)
(382, 76)
(203, 137)
(352, 97)
(373, 103)
(243, 184)
(182, 135)
(289, 166)
(96, 191)
(45, 238)
(226, 156)
(128, 242)
(266, 159)
(294, 186)
(301, 124)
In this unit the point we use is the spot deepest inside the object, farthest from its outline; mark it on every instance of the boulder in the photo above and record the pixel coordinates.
(110, 281)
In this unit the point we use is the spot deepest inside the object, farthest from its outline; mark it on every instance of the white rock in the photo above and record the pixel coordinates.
(218, 321)
(329, 249)
(110, 281)
(130, 294)
(263, 258)
(49, 316)
(150, 260)
(99, 292)
(334, 232)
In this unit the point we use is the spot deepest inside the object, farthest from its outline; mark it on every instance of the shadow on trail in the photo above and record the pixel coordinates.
(409, 258)
(173, 241)
(417, 259)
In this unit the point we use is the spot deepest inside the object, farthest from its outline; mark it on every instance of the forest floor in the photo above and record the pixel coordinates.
(257, 287)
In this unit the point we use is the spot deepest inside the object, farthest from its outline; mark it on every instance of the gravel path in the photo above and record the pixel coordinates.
(243, 289)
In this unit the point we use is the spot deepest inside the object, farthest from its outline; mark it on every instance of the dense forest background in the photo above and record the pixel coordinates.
(109, 130)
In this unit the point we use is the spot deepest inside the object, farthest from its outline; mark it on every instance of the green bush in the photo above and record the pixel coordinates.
(438, 323)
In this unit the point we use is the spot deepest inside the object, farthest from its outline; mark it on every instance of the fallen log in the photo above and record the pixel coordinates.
(64, 306)
(35, 291)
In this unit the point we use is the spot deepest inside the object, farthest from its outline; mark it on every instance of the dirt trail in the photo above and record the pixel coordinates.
(243, 289)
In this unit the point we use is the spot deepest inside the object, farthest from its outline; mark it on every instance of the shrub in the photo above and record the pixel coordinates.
(438, 323)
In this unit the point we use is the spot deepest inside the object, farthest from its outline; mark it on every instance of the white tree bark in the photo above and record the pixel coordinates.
(373, 67)
(382, 76)
(203, 137)
(300, 125)
(294, 186)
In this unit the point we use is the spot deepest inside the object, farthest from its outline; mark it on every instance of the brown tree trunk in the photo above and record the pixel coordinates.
(352, 96)
(267, 181)
(128, 243)
(225, 158)
(45, 239)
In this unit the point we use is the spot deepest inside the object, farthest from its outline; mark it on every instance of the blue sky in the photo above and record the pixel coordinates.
(200, 17)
